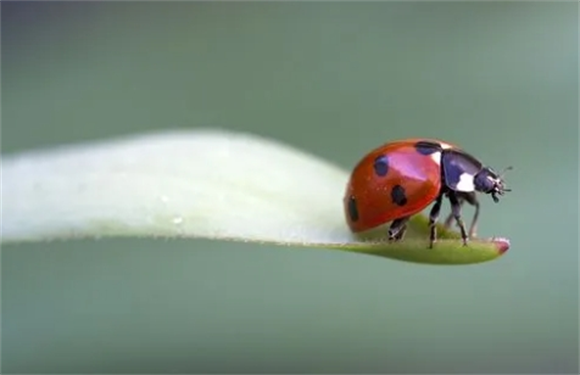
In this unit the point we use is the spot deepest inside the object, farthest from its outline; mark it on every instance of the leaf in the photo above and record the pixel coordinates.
(200, 184)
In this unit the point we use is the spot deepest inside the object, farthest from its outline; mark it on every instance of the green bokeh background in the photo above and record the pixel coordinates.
(335, 79)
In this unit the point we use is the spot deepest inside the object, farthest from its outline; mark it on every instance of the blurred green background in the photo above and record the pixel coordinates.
(336, 79)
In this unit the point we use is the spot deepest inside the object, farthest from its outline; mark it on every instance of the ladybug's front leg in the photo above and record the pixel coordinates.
(456, 212)
(470, 198)
(450, 218)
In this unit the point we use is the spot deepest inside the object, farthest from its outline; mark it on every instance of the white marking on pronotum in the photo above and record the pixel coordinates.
(465, 182)
(436, 156)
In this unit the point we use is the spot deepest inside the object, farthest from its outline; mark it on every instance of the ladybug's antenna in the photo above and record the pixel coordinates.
(504, 171)
(500, 188)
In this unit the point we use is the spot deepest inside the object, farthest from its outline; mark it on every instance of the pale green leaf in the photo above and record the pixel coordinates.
(199, 184)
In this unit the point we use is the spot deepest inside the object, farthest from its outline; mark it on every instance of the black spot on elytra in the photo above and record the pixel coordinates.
(381, 165)
(398, 195)
(352, 209)
(427, 148)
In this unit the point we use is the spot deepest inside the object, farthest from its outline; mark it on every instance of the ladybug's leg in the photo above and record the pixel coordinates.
(433, 217)
(456, 212)
(450, 218)
(399, 236)
(398, 228)
(471, 198)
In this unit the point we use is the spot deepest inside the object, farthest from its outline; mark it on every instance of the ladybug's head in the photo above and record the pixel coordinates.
(488, 181)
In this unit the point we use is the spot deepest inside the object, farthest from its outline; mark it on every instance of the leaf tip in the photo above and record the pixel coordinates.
(502, 244)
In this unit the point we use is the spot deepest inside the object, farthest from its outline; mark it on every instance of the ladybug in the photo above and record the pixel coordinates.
(400, 179)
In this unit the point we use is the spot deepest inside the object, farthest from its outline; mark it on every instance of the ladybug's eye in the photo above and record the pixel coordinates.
(484, 181)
